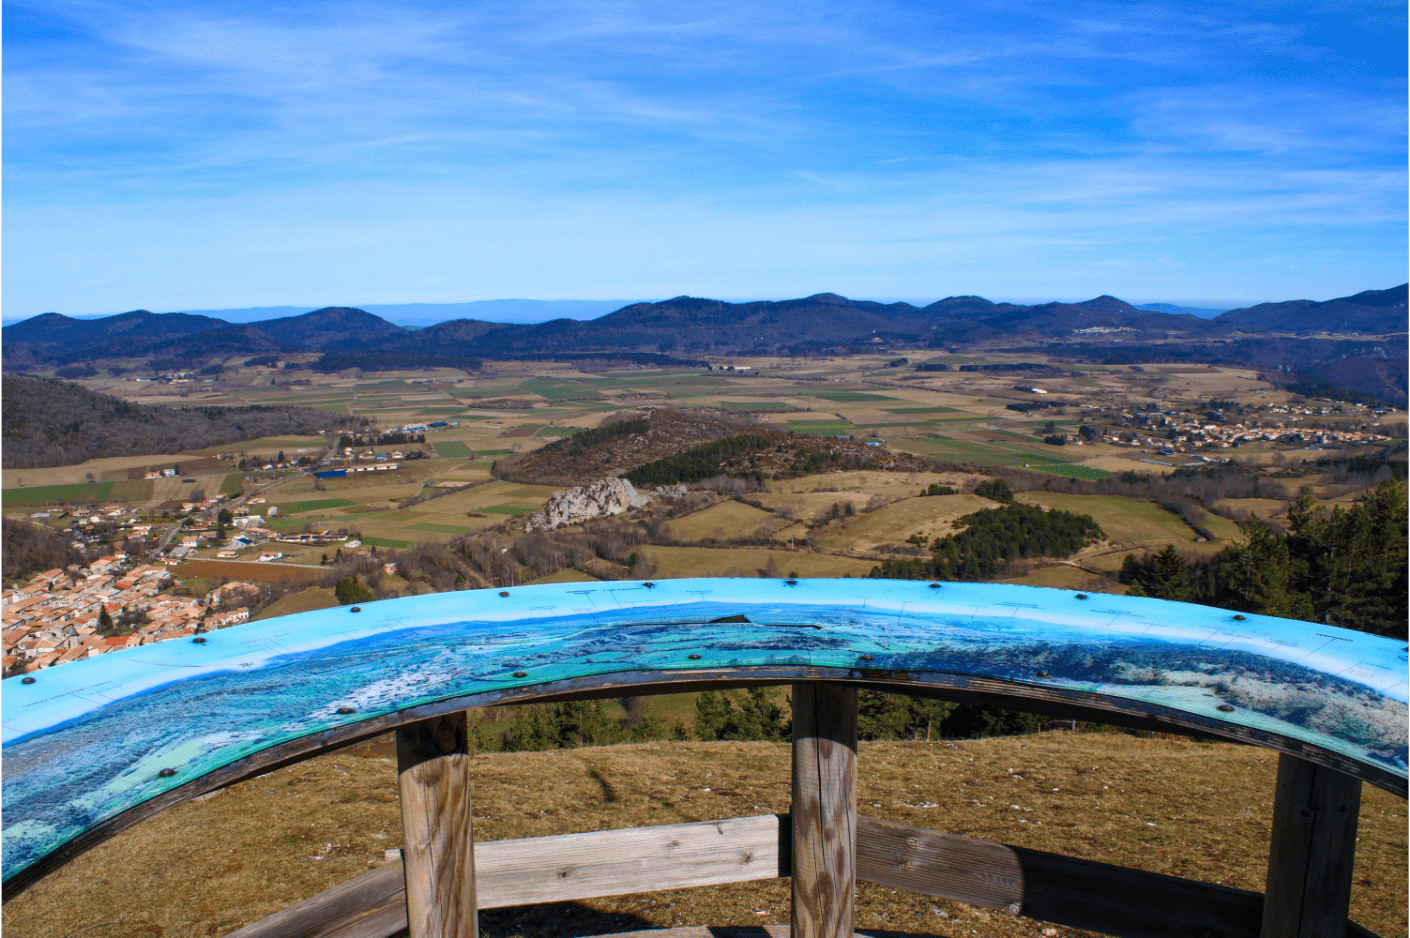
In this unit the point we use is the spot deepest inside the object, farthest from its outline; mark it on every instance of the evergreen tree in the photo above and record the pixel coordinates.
(995, 490)
(881, 715)
(754, 716)
(352, 590)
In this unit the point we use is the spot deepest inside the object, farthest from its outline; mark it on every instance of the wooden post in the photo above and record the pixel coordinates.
(824, 810)
(1313, 848)
(433, 765)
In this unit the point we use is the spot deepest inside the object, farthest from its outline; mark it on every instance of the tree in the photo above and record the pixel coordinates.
(565, 725)
(105, 621)
(723, 715)
(897, 716)
(225, 517)
(352, 590)
(995, 490)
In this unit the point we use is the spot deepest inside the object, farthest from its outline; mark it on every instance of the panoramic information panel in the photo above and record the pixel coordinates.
(88, 741)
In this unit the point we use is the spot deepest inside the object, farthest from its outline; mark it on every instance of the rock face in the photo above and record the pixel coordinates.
(601, 498)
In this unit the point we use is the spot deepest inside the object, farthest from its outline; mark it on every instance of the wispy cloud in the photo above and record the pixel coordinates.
(613, 141)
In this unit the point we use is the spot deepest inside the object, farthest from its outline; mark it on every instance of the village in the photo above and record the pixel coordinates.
(1182, 431)
(63, 615)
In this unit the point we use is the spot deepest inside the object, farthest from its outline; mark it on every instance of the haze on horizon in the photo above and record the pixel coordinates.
(185, 156)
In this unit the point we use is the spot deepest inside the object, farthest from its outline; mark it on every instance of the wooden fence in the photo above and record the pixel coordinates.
(444, 878)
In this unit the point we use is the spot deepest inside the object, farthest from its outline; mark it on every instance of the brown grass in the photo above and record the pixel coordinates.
(247, 570)
(1167, 805)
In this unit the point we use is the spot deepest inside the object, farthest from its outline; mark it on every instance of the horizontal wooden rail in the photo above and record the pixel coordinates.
(554, 869)
(1050, 887)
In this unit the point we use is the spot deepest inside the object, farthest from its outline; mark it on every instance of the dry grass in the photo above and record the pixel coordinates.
(1167, 805)
(305, 600)
(724, 521)
(930, 517)
(678, 562)
(1127, 521)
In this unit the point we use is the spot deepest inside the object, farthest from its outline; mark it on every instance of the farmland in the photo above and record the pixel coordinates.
(973, 424)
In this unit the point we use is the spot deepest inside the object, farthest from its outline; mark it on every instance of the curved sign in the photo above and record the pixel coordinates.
(88, 744)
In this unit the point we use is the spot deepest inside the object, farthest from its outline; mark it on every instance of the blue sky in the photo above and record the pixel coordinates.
(173, 155)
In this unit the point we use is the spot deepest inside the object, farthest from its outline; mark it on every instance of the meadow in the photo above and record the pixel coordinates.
(964, 420)
(1167, 805)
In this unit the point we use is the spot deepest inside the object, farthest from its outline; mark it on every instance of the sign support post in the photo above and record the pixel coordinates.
(433, 768)
(1312, 852)
(824, 810)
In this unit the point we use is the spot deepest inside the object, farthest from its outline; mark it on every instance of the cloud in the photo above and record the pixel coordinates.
(610, 144)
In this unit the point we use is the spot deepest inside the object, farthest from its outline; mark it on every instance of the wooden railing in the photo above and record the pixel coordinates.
(444, 878)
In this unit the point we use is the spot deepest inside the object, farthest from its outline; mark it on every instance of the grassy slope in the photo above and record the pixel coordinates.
(1171, 806)
(726, 520)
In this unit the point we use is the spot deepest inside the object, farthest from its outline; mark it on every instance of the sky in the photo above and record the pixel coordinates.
(199, 155)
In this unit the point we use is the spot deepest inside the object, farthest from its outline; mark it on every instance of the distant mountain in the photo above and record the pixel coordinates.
(1374, 312)
(1171, 309)
(53, 332)
(337, 328)
(691, 328)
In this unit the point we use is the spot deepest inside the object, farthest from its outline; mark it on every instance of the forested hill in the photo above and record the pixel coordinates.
(58, 423)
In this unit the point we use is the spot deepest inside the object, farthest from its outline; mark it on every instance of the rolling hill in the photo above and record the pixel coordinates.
(1289, 336)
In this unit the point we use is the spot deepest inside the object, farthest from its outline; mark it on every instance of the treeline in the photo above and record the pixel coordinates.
(30, 548)
(753, 715)
(587, 439)
(1344, 567)
(330, 362)
(991, 539)
(56, 423)
(698, 462)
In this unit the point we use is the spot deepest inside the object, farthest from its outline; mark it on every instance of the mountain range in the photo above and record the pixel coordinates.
(1310, 335)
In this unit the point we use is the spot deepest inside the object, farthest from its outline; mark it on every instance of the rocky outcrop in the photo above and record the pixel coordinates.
(600, 499)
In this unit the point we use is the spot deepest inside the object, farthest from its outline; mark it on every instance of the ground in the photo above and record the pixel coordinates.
(1167, 805)
(960, 418)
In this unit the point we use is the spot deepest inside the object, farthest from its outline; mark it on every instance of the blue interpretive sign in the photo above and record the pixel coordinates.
(87, 741)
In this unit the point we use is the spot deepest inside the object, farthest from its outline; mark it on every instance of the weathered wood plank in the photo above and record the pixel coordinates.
(372, 905)
(948, 866)
(560, 868)
(824, 810)
(1046, 886)
(641, 859)
(1312, 851)
(433, 771)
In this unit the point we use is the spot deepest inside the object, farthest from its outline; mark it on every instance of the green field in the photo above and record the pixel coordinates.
(1073, 471)
(762, 407)
(823, 427)
(922, 410)
(320, 504)
(430, 528)
(505, 510)
(559, 431)
(849, 397)
(558, 390)
(232, 483)
(44, 494)
(455, 449)
(391, 542)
